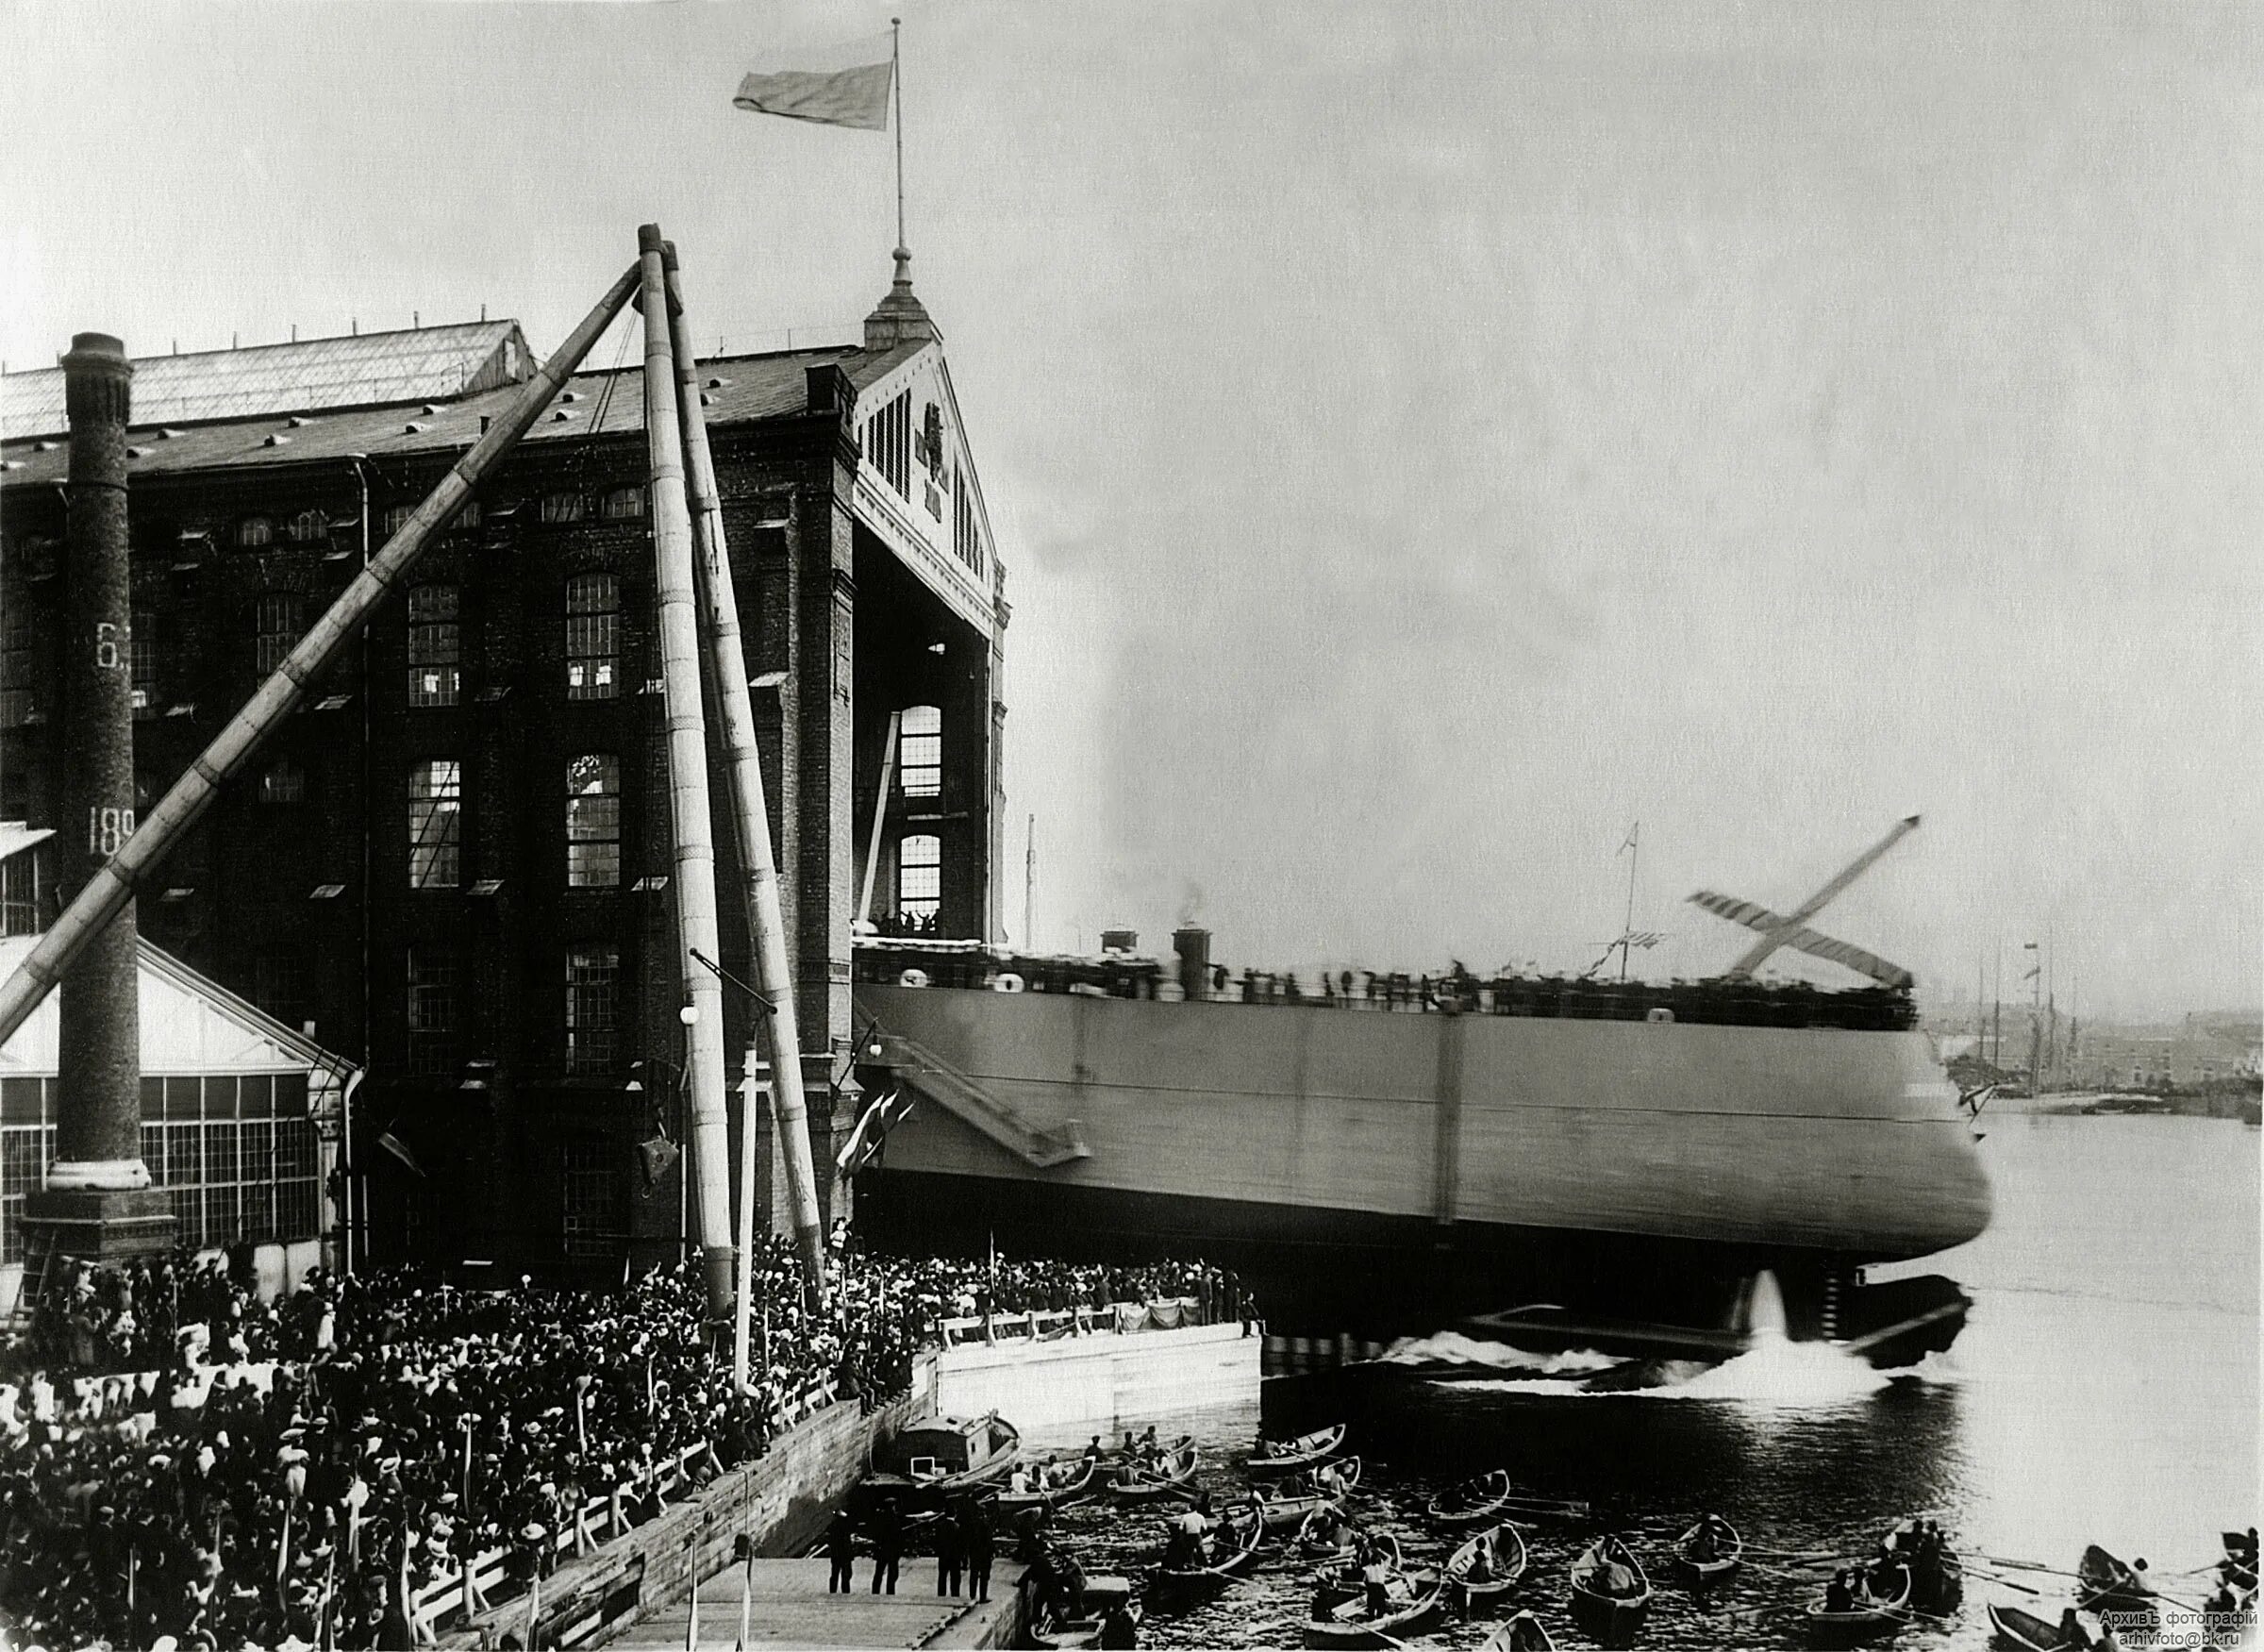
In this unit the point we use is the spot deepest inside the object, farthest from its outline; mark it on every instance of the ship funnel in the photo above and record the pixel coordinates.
(1765, 1310)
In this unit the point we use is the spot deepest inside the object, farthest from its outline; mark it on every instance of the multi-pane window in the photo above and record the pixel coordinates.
(24, 891)
(919, 876)
(283, 781)
(592, 1009)
(275, 628)
(966, 532)
(143, 648)
(888, 442)
(920, 751)
(564, 507)
(593, 821)
(590, 1197)
(624, 503)
(431, 1009)
(592, 637)
(435, 646)
(279, 984)
(395, 519)
(436, 808)
(308, 526)
(255, 530)
(19, 660)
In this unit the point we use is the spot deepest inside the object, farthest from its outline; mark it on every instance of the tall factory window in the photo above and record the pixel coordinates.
(593, 821)
(143, 648)
(919, 877)
(279, 984)
(255, 530)
(592, 1009)
(592, 637)
(25, 1152)
(590, 1197)
(623, 504)
(23, 893)
(431, 1009)
(565, 507)
(309, 525)
(889, 443)
(19, 662)
(276, 629)
(920, 752)
(395, 519)
(283, 781)
(436, 804)
(434, 675)
(966, 537)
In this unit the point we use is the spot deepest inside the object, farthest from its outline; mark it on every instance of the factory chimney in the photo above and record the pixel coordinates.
(97, 1201)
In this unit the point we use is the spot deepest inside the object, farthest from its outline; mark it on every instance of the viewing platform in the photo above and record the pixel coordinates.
(791, 1608)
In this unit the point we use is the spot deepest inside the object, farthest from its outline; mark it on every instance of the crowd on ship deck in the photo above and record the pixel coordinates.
(1454, 990)
(184, 1463)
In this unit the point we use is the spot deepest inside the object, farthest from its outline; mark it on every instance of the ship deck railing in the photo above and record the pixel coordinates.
(1046, 1325)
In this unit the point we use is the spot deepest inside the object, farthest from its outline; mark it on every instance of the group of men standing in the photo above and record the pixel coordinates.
(963, 1542)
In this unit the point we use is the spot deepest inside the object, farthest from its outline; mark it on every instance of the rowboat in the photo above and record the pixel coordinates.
(2024, 1631)
(1335, 1584)
(1176, 1587)
(1869, 1618)
(1288, 1511)
(1729, 1549)
(1081, 1630)
(2106, 1584)
(1937, 1580)
(1326, 1533)
(1289, 1456)
(1482, 1597)
(1610, 1608)
(1472, 1502)
(937, 1456)
(1349, 1624)
(1177, 1471)
(1347, 1471)
(1523, 1634)
(1056, 1483)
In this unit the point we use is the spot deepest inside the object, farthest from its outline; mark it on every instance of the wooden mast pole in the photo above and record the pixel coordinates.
(114, 884)
(689, 808)
(778, 1036)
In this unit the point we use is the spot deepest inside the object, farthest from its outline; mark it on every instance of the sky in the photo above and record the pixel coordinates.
(1424, 440)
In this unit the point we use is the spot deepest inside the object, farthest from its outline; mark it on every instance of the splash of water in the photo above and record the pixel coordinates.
(1453, 1348)
(1765, 1315)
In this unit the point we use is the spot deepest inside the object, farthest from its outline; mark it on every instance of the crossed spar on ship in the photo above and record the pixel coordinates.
(1792, 929)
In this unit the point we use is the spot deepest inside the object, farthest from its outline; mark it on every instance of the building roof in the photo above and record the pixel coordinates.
(16, 837)
(740, 390)
(190, 1023)
(364, 370)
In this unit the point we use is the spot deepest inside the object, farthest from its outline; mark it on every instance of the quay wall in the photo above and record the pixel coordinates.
(1102, 1377)
(782, 1500)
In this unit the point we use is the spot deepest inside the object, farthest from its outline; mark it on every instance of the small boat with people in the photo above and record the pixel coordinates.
(1286, 1456)
(1334, 1477)
(1287, 1511)
(1105, 1614)
(1937, 1575)
(1488, 1565)
(1328, 1533)
(1168, 1475)
(1046, 1484)
(1708, 1552)
(1471, 1503)
(1611, 1596)
(2105, 1584)
(2023, 1631)
(1859, 1605)
(1196, 1566)
(1399, 1605)
(1523, 1634)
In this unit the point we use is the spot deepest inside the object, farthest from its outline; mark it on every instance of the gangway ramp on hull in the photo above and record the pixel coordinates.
(915, 1065)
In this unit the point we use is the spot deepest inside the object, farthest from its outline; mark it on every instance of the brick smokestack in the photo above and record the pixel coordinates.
(98, 1200)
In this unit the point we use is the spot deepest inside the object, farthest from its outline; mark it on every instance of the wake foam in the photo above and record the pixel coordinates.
(1772, 1373)
(1453, 1348)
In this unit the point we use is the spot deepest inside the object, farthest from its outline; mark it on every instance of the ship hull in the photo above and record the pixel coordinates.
(1378, 1172)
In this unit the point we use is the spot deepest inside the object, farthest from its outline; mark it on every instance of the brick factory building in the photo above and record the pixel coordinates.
(455, 862)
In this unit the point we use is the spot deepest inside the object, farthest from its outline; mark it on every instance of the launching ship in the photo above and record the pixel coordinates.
(1607, 1163)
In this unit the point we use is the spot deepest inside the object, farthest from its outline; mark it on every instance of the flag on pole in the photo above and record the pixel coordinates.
(856, 96)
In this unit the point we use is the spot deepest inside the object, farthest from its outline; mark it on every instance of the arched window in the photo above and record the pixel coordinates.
(435, 669)
(565, 507)
(592, 637)
(309, 525)
(255, 530)
(593, 821)
(920, 751)
(276, 629)
(624, 503)
(919, 877)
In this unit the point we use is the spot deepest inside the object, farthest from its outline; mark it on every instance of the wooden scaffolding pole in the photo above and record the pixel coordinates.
(115, 883)
(778, 1036)
(691, 819)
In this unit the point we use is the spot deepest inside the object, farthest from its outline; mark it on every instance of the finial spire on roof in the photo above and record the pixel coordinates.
(900, 318)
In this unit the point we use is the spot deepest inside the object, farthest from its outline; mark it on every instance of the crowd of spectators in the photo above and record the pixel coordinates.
(294, 1472)
(1454, 990)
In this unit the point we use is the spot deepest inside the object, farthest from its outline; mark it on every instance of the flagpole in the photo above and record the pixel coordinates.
(1635, 845)
(897, 81)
